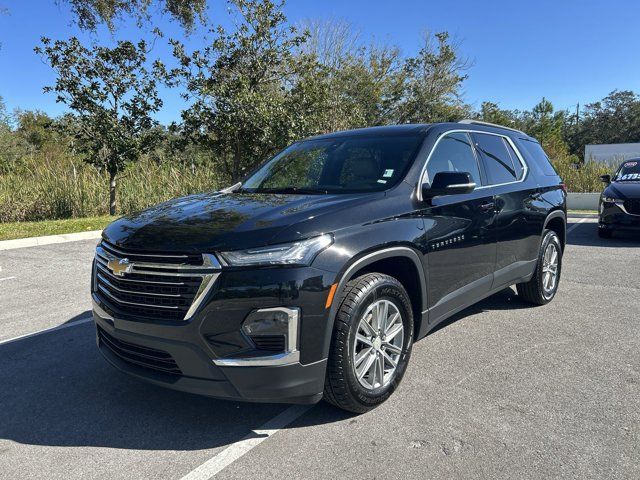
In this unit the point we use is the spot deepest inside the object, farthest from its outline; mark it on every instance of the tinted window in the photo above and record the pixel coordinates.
(454, 153)
(629, 171)
(497, 161)
(337, 165)
(514, 158)
(536, 152)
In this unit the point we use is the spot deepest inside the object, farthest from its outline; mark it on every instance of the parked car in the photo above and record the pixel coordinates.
(313, 277)
(620, 201)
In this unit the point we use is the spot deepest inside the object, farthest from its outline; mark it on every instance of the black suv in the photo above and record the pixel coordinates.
(620, 201)
(314, 276)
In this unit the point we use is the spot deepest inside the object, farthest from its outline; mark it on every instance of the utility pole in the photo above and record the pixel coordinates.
(577, 114)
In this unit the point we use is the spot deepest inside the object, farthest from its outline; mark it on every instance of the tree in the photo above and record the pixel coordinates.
(240, 84)
(112, 94)
(434, 77)
(90, 13)
(492, 113)
(614, 119)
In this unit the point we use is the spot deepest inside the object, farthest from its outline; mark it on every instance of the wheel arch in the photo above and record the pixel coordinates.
(557, 221)
(400, 262)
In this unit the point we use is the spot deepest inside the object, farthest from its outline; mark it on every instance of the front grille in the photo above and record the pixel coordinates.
(152, 286)
(145, 357)
(632, 206)
(272, 343)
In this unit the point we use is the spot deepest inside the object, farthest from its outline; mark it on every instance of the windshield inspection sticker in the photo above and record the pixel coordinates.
(388, 173)
(382, 181)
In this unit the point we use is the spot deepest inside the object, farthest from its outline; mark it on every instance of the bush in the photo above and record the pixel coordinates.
(69, 188)
(581, 177)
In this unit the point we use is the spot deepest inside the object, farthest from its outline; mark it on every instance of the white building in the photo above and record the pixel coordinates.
(611, 153)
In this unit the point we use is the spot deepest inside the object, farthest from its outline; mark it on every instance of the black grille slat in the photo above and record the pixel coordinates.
(272, 343)
(147, 296)
(139, 355)
(632, 206)
(168, 258)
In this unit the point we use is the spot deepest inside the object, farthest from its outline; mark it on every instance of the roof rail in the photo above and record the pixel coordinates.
(488, 124)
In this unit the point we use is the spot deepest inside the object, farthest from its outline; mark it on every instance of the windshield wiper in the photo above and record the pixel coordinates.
(292, 189)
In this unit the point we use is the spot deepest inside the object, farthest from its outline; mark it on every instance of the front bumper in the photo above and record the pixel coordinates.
(206, 353)
(613, 216)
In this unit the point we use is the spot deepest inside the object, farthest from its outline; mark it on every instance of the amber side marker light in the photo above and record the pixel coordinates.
(332, 292)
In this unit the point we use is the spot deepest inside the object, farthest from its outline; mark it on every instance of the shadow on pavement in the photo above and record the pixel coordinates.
(506, 299)
(586, 235)
(57, 390)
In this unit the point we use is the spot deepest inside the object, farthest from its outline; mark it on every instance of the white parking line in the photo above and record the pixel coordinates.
(48, 330)
(572, 227)
(236, 450)
(6, 278)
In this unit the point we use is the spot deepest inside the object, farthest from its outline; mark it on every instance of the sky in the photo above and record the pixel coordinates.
(568, 51)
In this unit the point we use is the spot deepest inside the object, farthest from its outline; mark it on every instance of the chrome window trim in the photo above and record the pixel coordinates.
(291, 355)
(423, 173)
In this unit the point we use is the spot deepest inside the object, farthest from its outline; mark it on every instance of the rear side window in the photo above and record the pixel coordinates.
(454, 153)
(536, 152)
(514, 158)
(497, 160)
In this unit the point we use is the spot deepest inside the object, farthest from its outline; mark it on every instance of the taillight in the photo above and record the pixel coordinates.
(563, 186)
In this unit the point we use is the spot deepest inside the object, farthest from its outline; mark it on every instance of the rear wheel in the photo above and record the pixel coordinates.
(543, 286)
(371, 344)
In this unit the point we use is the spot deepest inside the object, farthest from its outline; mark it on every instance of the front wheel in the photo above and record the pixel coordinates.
(543, 286)
(371, 344)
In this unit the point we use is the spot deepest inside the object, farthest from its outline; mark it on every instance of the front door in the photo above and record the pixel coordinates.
(460, 232)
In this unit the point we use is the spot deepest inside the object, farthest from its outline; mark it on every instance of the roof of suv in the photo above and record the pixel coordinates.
(423, 128)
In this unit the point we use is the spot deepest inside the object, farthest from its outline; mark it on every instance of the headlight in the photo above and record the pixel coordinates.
(612, 200)
(296, 253)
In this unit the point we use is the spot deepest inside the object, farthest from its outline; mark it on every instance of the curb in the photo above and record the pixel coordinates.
(49, 239)
(582, 215)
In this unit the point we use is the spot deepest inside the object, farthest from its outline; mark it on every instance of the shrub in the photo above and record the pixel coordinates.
(68, 188)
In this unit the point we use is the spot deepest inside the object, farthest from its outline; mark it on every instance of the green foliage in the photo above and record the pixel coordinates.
(614, 119)
(58, 186)
(113, 96)
(251, 90)
(90, 13)
(432, 87)
(240, 84)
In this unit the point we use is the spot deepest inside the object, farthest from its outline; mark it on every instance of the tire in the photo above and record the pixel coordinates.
(361, 297)
(536, 290)
(604, 233)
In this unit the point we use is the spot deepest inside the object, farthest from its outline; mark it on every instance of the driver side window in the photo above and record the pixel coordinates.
(454, 153)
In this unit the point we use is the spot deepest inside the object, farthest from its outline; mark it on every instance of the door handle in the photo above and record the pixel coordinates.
(486, 207)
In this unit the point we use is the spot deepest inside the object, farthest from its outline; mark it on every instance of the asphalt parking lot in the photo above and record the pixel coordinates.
(503, 390)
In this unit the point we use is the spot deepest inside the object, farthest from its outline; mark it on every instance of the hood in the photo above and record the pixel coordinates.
(228, 221)
(623, 190)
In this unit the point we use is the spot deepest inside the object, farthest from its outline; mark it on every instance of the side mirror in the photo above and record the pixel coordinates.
(448, 183)
(605, 178)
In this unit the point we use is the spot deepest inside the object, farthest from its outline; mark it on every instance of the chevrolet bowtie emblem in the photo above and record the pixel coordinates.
(120, 266)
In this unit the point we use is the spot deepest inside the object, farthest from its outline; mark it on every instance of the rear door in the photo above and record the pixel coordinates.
(461, 241)
(515, 223)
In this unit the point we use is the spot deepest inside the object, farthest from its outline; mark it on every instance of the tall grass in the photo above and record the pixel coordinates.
(69, 188)
(43, 189)
(582, 177)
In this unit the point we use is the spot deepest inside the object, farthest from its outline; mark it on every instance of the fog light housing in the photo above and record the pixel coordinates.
(273, 329)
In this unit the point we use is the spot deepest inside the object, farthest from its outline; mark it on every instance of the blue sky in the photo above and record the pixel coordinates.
(569, 51)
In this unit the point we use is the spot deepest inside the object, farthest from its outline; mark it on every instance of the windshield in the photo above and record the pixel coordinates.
(628, 171)
(337, 165)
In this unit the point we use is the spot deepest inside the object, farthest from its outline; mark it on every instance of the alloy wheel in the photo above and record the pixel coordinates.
(378, 344)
